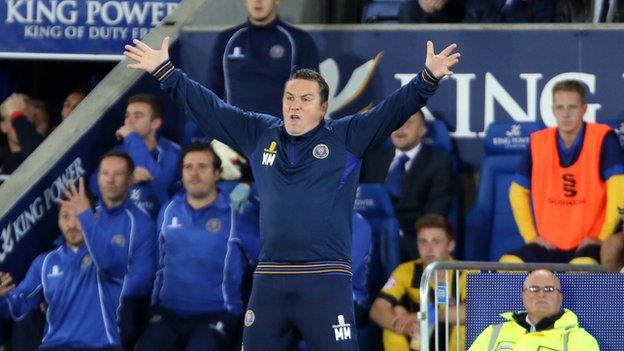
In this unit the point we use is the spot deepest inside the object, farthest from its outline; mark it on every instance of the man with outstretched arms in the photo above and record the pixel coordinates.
(307, 171)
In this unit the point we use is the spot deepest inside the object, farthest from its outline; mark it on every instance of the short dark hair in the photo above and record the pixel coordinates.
(435, 221)
(122, 155)
(310, 74)
(572, 86)
(201, 146)
(151, 100)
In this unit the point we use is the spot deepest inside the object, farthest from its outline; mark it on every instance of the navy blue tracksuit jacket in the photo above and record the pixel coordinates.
(307, 183)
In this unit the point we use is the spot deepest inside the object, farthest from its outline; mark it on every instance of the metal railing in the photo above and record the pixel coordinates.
(457, 266)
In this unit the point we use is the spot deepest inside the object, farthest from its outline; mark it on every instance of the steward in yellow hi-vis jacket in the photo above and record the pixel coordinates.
(560, 332)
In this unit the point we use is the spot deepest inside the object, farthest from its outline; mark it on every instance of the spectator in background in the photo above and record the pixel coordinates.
(419, 179)
(79, 283)
(193, 232)
(543, 326)
(251, 62)
(510, 11)
(156, 159)
(72, 100)
(395, 310)
(592, 11)
(118, 223)
(568, 188)
(431, 11)
(40, 115)
(21, 135)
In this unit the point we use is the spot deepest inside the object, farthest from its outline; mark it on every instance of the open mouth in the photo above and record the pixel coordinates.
(295, 117)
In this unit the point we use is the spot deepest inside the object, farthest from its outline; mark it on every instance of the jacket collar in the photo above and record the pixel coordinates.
(562, 319)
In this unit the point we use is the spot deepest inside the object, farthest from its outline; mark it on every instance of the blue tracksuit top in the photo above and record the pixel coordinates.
(192, 246)
(163, 163)
(249, 65)
(81, 295)
(244, 247)
(124, 233)
(307, 183)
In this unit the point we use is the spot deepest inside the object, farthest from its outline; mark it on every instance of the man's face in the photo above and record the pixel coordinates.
(541, 304)
(71, 101)
(301, 106)
(139, 118)
(198, 174)
(410, 133)
(261, 11)
(434, 245)
(569, 109)
(70, 227)
(114, 179)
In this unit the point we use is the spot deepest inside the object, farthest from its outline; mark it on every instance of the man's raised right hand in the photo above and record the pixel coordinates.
(146, 58)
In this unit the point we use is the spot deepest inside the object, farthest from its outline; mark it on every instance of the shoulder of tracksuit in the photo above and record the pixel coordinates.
(28, 293)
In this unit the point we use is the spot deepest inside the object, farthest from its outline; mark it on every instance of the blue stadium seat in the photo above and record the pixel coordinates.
(381, 12)
(438, 136)
(490, 229)
(373, 203)
(596, 298)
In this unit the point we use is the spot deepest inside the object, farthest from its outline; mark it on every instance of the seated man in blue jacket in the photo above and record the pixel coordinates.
(80, 282)
(193, 232)
(118, 221)
(306, 169)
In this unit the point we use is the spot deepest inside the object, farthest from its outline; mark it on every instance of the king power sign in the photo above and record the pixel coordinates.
(77, 26)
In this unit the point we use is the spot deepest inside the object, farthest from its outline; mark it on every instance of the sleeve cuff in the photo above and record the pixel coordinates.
(522, 181)
(163, 70)
(393, 301)
(428, 77)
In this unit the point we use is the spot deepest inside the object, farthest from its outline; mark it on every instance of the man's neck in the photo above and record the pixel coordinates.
(569, 137)
(410, 151)
(113, 203)
(533, 320)
(270, 18)
(75, 248)
(197, 203)
(151, 141)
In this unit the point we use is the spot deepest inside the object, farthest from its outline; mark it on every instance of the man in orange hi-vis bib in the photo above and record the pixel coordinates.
(568, 187)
